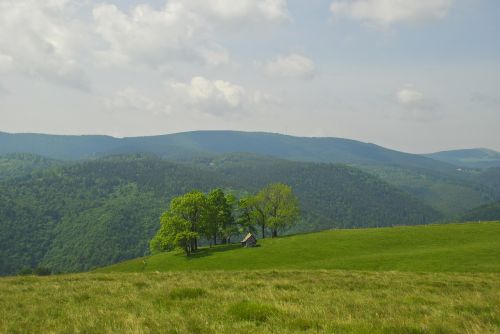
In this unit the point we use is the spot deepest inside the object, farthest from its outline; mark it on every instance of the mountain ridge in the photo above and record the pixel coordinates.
(186, 144)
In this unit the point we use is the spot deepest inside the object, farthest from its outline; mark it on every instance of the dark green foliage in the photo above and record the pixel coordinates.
(81, 215)
(451, 193)
(25, 271)
(22, 164)
(219, 220)
(329, 195)
(437, 183)
(490, 178)
(488, 212)
(42, 271)
(89, 214)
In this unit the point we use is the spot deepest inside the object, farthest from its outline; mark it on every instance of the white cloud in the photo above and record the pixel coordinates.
(384, 13)
(181, 30)
(216, 97)
(148, 35)
(409, 97)
(41, 39)
(291, 66)
(5, 63)
(416, 105)
(130, 99)
(230, 10)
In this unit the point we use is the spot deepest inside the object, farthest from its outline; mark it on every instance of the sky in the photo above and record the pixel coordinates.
(413, 75)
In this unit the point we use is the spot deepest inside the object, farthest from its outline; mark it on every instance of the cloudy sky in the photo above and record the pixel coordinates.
(413, 75)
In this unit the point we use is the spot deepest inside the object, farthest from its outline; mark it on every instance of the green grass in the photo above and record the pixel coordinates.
(427, 279)
(321, 301)
(471, 247)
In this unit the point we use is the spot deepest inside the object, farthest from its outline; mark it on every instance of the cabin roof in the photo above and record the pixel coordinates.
(248, 236)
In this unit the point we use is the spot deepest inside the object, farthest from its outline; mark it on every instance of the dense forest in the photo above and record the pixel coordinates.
(87, 201)
(78, 215)
(483, 213)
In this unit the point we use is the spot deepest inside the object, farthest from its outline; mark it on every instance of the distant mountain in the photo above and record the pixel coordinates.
(440, 184)
(205, 143)
(471, 158)
(80, 215)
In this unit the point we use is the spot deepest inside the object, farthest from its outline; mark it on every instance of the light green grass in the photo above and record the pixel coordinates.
(472, 247)
(311, 301)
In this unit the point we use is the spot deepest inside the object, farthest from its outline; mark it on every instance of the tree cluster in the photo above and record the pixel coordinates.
(217, 217)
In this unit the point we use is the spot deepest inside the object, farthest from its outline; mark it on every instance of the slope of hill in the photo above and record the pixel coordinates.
(20, 164)
(449, 193)
(81, 215)
(439, 184)
(77, 216)
(343, 196)
(472, 247)
(471, 158)
(220, 292)
(483, 213)
(490, 178)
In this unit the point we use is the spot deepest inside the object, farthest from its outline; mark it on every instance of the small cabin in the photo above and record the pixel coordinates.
(249, 241)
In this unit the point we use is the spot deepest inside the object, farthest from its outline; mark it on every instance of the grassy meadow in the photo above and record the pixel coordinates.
(425, 279)
(318, 301)
(472, 247)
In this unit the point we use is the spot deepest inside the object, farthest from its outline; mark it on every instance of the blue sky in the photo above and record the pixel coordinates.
(413, 75)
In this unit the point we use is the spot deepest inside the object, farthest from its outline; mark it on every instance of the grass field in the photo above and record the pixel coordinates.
(472, 247)
(252, 302)
(407, 280)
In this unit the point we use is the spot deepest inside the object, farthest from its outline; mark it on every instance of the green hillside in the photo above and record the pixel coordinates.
(483, 213)
(80, 215)
(440, 184)
(20, 164)
(472, 247)
(490, 178)
(426, 279)
(452, 194)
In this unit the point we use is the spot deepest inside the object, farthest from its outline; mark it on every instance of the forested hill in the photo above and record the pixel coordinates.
(472, 158)
(445, 187)
(199, 143)
(486, 212)
(79, 215)
(19, 164)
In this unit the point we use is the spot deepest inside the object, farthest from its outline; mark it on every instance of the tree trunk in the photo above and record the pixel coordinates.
(263, 232)
(215, 239)
(275, 233)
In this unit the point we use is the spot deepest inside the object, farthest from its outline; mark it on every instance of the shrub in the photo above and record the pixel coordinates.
(42, 271)
(25, 271)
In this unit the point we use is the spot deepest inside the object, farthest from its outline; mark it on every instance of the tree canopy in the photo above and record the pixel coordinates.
(212, 216)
